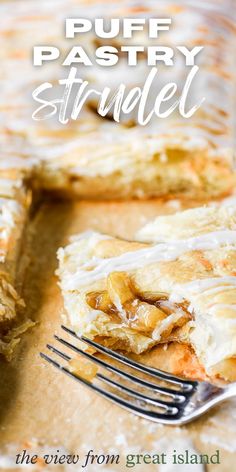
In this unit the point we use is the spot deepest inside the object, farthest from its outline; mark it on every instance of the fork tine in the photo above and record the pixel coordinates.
(186, 385)
(161, 404)
(122, 388)
(177, 397)
(166, 418)
(59, 353)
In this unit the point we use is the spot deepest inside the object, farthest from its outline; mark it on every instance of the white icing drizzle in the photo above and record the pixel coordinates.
(222, 306)
(162, 252)
(211, 284)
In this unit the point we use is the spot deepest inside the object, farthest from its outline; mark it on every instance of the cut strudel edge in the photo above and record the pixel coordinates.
(15, 200)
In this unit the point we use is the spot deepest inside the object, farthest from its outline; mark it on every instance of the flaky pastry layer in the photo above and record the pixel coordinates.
(14, 204)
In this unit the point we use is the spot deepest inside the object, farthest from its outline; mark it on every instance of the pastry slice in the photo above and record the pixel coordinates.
(14, 203)
(182, 288)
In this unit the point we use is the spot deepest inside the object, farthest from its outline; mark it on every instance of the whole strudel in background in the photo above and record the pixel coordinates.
(95, 157)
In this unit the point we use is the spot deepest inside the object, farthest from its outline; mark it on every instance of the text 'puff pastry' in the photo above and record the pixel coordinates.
(182, 287)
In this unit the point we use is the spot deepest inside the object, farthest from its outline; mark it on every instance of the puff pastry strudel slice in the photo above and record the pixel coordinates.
(134, 295)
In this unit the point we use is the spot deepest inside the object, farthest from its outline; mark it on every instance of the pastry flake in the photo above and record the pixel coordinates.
(14, 203)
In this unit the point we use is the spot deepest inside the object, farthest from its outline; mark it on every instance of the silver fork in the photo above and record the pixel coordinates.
(164, 398)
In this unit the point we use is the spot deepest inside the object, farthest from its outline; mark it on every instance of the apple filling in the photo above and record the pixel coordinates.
(152, 314)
